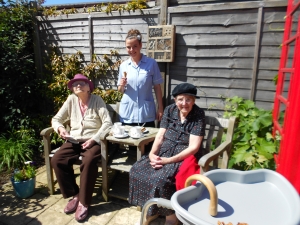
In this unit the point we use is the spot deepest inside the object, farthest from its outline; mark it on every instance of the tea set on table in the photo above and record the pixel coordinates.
(119, 131)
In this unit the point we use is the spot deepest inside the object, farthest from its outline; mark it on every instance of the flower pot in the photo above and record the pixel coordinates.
(24, 189)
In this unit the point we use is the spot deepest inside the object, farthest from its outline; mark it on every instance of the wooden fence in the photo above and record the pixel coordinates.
(225, 49)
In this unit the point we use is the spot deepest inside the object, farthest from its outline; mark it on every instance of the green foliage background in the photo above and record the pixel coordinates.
(24, 105)
(21, 92)
(16, 148)
(62, 68)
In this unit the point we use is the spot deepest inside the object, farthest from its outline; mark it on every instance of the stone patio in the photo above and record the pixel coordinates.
(42, 208)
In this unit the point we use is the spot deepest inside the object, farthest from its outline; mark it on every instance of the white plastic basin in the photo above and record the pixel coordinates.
(259, 197)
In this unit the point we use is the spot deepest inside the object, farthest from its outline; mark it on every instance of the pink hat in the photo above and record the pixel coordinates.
(78, 77)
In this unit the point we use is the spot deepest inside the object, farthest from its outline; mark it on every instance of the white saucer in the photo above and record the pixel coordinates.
(137, 137)
(125, 135)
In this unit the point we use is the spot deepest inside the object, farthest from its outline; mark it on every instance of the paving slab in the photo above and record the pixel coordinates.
(51, 217)
(22, 211)
(44, 209)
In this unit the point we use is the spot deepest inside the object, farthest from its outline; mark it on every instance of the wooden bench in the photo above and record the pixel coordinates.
(216, 152)
(217, 157)
(212, 159)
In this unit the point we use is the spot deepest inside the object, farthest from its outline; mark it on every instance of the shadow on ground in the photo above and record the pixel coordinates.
(42, 208)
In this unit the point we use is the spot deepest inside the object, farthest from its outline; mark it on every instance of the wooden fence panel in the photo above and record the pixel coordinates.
(71, 34)
(215, 50)
(215, 47)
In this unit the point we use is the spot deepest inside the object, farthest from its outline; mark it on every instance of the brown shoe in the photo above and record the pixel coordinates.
(72, 205)
(81, 212)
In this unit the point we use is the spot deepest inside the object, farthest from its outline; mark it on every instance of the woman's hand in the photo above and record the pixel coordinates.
(159, 114)
(123, 81)
(158, 94)
(155, 161)
(63, 132)
(158, 162)
(88, 144)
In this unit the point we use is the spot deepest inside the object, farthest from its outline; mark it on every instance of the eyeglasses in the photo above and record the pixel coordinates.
(187, 100)
(81, 83)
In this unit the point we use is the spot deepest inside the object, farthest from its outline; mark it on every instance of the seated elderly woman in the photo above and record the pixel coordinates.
(89, 118)
(180, 135)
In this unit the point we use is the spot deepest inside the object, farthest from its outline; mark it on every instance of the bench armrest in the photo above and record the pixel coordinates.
(205, 160)
(45, 133)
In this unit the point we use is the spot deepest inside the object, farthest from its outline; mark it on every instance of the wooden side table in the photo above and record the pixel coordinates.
(123, 159)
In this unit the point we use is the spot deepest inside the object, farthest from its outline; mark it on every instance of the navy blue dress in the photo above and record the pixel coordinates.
(144, 181)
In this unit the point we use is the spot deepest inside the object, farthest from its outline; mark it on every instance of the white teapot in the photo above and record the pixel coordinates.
(136, 132)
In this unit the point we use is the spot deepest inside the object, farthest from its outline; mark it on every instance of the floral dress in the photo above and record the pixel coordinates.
(144, 181)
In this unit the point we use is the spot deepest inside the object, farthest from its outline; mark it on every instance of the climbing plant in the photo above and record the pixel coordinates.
(63, 68)
(103, 7)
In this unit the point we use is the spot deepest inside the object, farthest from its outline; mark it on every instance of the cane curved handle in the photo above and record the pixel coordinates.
(213, 194)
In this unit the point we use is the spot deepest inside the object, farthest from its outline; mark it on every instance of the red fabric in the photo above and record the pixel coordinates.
(188, 167)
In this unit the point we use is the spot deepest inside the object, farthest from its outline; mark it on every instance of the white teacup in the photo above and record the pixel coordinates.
(117, 124)
(118, 129)
(136, 132)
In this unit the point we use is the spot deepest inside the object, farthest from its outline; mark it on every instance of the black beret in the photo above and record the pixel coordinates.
(185, 88)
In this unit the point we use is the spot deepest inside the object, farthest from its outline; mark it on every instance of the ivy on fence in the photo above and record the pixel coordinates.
(104, 7)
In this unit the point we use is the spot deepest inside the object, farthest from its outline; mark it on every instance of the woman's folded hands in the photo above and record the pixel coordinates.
(157, 162)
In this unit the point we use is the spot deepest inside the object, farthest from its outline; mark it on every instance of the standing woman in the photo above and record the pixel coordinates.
(88, 119)
(137, 76)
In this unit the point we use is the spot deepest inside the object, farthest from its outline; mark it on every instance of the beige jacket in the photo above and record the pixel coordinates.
(90, 126)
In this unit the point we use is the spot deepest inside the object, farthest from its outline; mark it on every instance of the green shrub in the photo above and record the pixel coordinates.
(16, 148)
(109, 96)
(253, 144)
(21, 93)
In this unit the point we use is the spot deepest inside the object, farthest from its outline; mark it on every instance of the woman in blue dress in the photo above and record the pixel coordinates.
(137, 76)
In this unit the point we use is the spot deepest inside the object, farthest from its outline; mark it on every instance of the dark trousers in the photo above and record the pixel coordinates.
(62, 163)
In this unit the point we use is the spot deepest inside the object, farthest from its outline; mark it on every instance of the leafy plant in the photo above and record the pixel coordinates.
(16, 148)
(109, 96)
(64, 67)
(20, 89)
(26, 173)
(253, 144)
